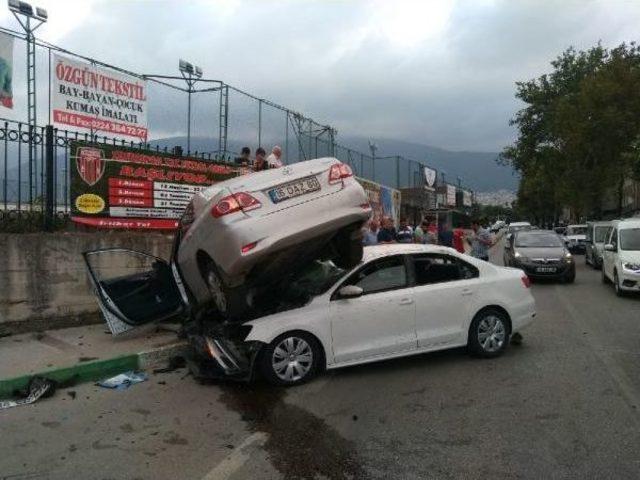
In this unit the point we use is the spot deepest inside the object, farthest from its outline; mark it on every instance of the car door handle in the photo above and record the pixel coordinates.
(406, 301)
(466, 292)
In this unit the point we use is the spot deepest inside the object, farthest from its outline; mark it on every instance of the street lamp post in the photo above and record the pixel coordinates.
(30, 19)
(373, 147)
(191, 75)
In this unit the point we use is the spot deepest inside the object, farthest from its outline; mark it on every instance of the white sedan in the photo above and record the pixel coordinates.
(401, 300)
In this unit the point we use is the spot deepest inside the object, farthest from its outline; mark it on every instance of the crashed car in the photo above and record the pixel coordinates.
(236, 241)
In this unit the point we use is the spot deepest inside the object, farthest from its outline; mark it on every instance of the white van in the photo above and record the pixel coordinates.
(621, 259)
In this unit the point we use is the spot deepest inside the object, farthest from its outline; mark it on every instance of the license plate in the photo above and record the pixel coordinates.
(294, 189)
(546, 269)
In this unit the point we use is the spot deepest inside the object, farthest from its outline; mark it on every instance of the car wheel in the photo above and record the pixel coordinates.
(570, 277)
(216, 288)
(291, 359)
(616, 285)
(348, 247)
(605, 280)
(489, 333)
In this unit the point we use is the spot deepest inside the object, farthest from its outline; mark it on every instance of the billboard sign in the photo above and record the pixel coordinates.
(451, 196)
(6, 70)
(98, 99)
(118, 187)
(430, 177)
(384, 201)
(467, 198)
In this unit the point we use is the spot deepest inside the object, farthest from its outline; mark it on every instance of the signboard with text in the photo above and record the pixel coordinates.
(98, 99)
(467, 198)
(117, 187)
(451, 196)
(384, 201)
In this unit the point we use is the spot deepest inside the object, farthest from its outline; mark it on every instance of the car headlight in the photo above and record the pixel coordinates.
(568, 257)
(632, 267)
(517, 255)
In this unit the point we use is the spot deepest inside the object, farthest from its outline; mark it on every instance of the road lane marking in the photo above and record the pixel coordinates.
(233, 462)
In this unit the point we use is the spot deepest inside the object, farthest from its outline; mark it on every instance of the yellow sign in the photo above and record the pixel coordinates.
(90, 203)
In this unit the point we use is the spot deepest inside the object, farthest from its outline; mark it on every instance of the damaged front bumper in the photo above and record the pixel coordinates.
(222, 353)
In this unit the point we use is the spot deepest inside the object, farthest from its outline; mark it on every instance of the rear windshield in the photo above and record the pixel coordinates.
(539, 240)
(576, 230)
(601, 234)
(630, 239)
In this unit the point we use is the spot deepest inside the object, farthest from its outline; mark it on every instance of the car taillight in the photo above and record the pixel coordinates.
(235, 203)
(187, 218)
(339, 171)
(525, 281)
(248, 247)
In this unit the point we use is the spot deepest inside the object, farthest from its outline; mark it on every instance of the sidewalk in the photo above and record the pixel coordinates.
(82, 354)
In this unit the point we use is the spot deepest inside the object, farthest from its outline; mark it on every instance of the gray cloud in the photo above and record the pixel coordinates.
(442, 74)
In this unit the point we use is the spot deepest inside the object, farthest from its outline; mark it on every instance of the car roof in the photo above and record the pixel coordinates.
(519, 224)
(378, 251)
(600, 223)
(628, 223)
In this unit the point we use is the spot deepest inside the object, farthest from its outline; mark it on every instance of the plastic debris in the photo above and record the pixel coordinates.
(123, 380)
(38, 387)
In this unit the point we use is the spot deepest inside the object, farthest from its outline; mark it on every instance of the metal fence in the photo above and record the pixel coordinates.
(221, 118)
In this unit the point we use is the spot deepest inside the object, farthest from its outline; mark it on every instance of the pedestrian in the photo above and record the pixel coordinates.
(274, 160)
(458, 240)
(387, 234)
(480, 241)
(260, 163)
(370, 233)
(445, 235)
(404, 233)
(245, 157)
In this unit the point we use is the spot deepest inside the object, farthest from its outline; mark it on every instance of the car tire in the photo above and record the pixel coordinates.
(616, 285)
(604, 277)
(226, 300)
(488, 333)
(291, 359)
(348, 247)
(570, 277)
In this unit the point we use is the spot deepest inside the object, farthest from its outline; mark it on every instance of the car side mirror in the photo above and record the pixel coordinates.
(350, 291)
(609, 247)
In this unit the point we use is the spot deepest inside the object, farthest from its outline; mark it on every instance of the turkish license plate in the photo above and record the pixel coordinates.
(294, 189)
(546, 269)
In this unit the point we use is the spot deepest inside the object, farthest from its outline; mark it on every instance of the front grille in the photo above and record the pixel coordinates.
(546, 261)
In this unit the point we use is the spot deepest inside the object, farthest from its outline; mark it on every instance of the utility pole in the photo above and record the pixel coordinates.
(191, 75)
(373, 147)
(30, 19)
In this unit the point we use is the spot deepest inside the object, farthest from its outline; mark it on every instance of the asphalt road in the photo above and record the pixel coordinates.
(564, 404)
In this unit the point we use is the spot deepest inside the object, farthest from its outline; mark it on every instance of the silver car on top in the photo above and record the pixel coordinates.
(245, 233)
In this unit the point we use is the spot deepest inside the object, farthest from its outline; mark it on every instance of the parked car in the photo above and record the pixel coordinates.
(540, 254)
(238, 238)
(596, 233)
(575, 238)
(402, 299)
(621, 258)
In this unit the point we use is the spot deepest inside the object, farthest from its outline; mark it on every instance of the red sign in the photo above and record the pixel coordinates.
(91, 164)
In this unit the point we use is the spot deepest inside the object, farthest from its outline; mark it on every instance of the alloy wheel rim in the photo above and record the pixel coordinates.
(292, 359)
(491, 333)
(215, 287)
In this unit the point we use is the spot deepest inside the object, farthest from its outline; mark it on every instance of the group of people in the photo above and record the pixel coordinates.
(261, 161)
(383, 232)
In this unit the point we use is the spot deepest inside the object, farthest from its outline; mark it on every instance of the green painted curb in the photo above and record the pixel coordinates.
(79, 373)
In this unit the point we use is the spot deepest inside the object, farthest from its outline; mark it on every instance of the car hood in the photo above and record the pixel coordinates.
(538, 252)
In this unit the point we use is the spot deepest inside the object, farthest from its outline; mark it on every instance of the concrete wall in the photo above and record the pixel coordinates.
(43, 278)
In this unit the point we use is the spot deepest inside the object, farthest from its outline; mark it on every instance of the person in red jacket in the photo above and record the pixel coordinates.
(458, 244)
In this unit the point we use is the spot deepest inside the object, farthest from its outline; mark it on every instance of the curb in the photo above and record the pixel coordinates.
(97, 369)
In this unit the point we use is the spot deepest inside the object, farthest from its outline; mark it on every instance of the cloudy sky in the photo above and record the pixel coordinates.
(438, 72)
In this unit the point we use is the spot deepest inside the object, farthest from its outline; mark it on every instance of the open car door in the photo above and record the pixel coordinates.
(134, 288)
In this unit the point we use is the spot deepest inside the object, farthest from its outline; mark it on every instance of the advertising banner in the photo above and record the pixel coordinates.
(117, 187)
(6, 70)
(451, 195)
(385, 201)
(429, 177)
(467, 198)
(106, 102)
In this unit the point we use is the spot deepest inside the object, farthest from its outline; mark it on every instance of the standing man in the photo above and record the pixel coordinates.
(387, 234)
(404, 233)
(274, 160)
(245, 157)
(370, 233)
(480, 241)
(261, 162)
(445, 235)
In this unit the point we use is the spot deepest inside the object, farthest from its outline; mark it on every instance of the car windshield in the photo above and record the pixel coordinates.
(601, 233)
(630, 239)
(576, 230)
(517, 228)
(315, 279)
(537, 240)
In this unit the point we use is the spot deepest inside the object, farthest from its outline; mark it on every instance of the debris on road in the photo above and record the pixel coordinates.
(123, 380)
(37, 388)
